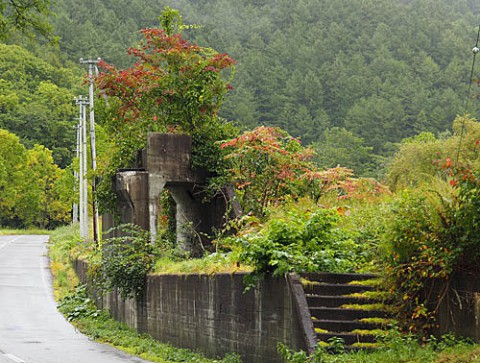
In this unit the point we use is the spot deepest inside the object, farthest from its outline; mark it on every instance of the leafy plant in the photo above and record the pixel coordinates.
(126, 260)
(291, 356)
(78, 305)
(265, 165)
(421, 255)
(297, 241)
(465, 179)
(336, 345)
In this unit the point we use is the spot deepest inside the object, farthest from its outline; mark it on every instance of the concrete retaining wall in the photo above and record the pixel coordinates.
(213, 315)
(459, 311)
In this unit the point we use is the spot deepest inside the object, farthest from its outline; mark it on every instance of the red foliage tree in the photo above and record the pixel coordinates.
(173, 86)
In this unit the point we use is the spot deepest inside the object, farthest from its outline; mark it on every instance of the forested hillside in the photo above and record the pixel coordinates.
(383, 70)
(353, 77)
(36, 101)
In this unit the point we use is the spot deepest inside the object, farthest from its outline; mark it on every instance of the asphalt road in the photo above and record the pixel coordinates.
(31, 328)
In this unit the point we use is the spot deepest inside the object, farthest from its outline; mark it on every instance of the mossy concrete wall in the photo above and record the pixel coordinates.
(459, 309)
(213, 315)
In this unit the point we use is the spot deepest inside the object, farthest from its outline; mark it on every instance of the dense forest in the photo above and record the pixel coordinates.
(352, 78)
(357, 74)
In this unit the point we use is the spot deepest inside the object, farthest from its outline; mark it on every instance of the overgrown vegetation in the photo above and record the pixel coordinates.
(393, 347)
(174, 87)
(296, 240)
(420, 236)
(352, 104)
(126, 260)
(433, 235)
(78, 307)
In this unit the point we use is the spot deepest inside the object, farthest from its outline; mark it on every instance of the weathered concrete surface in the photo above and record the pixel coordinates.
(459, 311)
(132, 189)
(31, 328)
(166, 164)
(170, 155)
(212, 314)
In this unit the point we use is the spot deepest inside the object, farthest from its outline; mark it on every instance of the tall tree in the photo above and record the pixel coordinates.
(41, 201)
(174, 86)
(12, 166)
(27, 16)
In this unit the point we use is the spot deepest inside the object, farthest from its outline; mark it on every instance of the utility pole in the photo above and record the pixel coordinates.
(75, 174)
(83, 189)
(91, 63)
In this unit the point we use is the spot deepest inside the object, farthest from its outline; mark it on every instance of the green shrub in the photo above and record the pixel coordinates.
(299, 242)
(392, 347)
(126, 260)
(420, 255)
(78, 305)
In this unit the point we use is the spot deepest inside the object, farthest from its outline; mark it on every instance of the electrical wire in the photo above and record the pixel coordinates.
(475, 51)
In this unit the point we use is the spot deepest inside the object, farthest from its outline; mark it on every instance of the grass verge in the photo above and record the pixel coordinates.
(80, 310)
(393, 347)
(211, 264)
(16, 232)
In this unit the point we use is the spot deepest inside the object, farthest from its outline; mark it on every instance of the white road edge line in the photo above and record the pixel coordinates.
(9, 242)
(14, 358)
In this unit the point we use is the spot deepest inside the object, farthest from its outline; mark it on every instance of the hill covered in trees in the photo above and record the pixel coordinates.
(356, 75)
(36, 101)
(351, 77)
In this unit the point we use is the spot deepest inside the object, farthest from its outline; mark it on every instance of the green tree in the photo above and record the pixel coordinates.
(12, 166)
(34, 191)
(29, 17)
(339, 146)
(266, 165)
(175, 85)
(377, 120)
(36, 101)
(40, 202)
(417, 160)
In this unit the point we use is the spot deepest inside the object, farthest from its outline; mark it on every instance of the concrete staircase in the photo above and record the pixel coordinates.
(346, 306)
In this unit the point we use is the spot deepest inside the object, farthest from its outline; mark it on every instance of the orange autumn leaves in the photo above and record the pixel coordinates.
(268, 165)
(173, 83)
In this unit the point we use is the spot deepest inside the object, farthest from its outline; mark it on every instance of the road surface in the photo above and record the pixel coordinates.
(31, 328)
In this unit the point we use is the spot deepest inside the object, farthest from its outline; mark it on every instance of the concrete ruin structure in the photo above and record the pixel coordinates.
(165, 164)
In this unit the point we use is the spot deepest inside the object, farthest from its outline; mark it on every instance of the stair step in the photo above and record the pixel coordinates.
(335, 289)
(337, 278)
(323, 313)
(335, 301)
(344, 325)
(348, 338)
(327, 293)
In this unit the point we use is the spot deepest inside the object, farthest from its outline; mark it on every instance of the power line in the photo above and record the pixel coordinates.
(475, 51)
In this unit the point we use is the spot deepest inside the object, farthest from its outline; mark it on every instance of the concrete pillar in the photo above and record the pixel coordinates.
(156, 184)
(188, 218)
(132, 188)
